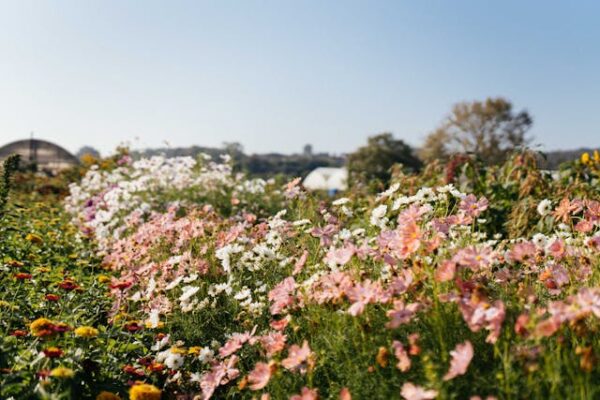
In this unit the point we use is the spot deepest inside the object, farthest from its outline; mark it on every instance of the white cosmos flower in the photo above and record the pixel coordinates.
(153, 318)
(540, 240)
(544, 207)
(188, 292)
(378, 215)
(340, 201)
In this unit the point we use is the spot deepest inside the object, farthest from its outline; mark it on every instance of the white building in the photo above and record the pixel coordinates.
(328, 179)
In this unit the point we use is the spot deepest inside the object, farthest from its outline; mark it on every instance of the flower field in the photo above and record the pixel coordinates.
(181, 278)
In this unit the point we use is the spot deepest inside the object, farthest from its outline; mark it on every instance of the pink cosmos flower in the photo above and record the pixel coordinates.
(523, 252)
(473, 207)
(401, 313)
(331, 287)
(555, 277)
(292, 189)
(279, 325)
(445, 271)
(548, 327)
(581, 305)
(406, 241)
(340, 256)
(557, 249)
(402, 356)
(521, 325)
(480, 314)
(325, 234)
(220, 374)
(306, 394)
(234, 343)
(259, 377)
(273, 343)
(594, 242)
(401, 283)
(345, 394)
(300, 263)
(461, 358)
(363, 294)
(413, 392)
(588, 299)
(584, 226)
(297, 357)
(413, 342)
(282, 295)
(566, 208)
(475, 258)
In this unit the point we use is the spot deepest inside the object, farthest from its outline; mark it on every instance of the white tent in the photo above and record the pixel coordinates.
(325, 178)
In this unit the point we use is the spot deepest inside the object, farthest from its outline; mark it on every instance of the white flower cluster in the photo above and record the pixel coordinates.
(105, 203)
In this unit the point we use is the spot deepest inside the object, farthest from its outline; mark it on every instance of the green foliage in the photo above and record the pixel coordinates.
(374, 161)
(9, 167)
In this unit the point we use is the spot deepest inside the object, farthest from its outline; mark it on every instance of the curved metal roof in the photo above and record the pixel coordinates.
(38, 151)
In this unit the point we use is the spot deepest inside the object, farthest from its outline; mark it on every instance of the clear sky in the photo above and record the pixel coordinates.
(275, 75)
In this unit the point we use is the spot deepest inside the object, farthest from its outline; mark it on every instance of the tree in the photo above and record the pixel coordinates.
(88, 150)
(435, 146)
(489, 129)
(375, 160)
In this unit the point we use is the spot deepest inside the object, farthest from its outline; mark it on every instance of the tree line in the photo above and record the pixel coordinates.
(489, 131)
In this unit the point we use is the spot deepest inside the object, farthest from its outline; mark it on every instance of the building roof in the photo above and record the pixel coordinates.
(326, 178)
(40, 152)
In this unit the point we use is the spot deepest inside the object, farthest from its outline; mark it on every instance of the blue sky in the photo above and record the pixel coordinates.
(275, 75)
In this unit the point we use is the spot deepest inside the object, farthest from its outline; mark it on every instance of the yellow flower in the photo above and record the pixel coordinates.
(86, 331)
(585, 158)
(596, 156)
(103, 279)
(148, 324)
(178, 350)
(104, 395)
(33, 238)
(144, 391)
(62, 372)
(41, 326)
(194, 350)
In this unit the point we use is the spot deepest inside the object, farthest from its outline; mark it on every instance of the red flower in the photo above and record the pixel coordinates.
(23, 276)
(19, 333)
(131, 370)
(156, 367)
(53, 352)
(122, 285)
(68, 285)
(52, 297)
(133, 327)
(61, 327)
(43, 374)
(145, 361)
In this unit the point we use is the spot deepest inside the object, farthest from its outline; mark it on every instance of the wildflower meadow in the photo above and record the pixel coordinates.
(182, 278)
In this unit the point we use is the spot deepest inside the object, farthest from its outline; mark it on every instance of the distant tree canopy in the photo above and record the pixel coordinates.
(375, 160)
(87, 150)
(489, 129)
